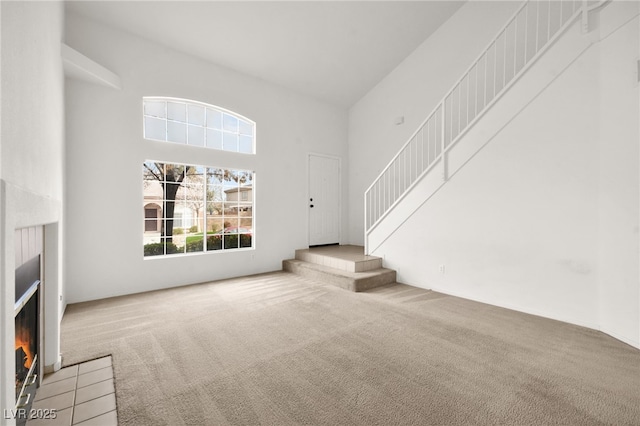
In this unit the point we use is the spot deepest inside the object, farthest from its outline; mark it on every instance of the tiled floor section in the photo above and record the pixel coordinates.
(81, 394)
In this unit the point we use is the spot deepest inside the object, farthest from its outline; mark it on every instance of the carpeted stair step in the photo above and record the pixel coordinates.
(348, 258)
(353, 281)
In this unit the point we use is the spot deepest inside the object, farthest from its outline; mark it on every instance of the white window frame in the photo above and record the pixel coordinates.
(223, 235)
(162, 121)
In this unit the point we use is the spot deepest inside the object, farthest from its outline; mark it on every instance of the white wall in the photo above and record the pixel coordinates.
(545, 218)
(412, 91)
(106, 151)
(618, 188)
(517, 226)
(32, 145)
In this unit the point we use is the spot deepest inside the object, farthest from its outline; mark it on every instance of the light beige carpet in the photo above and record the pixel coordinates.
(276, 349)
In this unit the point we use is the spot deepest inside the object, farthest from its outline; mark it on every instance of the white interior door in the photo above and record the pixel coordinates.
(324, 200)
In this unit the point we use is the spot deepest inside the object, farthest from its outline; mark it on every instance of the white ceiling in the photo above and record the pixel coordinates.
(332, 50)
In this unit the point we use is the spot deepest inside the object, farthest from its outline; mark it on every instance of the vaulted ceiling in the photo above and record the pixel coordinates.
(335, 51)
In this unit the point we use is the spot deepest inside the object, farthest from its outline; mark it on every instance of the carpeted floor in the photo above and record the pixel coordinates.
(276, 349)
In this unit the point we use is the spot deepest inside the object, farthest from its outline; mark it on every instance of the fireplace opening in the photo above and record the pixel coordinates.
(27, 331)
(26, 347)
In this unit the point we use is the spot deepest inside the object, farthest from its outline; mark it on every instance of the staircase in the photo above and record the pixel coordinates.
(429, 158)
(344, 266)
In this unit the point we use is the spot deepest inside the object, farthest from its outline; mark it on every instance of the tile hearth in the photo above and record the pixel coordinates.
(81, 394)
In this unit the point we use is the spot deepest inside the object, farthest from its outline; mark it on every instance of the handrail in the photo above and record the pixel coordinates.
(517, 45)
(597, 5)
(448, 93)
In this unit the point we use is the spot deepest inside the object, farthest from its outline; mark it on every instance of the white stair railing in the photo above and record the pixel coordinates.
(527, 35)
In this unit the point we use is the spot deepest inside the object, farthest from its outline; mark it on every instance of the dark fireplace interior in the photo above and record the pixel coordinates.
(27, 311)
(26, 341)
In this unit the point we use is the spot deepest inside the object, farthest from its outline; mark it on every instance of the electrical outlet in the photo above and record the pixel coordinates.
(441, 268)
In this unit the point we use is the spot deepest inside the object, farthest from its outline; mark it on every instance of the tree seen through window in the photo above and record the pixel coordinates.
(197, 208)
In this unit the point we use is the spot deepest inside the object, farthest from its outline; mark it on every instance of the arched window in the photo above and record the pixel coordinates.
(197, 124)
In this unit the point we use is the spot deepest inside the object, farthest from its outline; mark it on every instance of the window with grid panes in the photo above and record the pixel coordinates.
(198, 208)
(195, 208)
(197, 124)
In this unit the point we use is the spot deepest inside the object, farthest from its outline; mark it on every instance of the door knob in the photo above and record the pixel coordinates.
(311, 206)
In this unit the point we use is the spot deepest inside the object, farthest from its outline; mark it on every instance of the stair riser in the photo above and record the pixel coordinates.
(347, 283)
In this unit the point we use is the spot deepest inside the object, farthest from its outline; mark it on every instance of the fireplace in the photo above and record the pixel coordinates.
(27, 331)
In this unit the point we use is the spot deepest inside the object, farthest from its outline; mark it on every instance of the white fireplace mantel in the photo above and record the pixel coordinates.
(20, 208)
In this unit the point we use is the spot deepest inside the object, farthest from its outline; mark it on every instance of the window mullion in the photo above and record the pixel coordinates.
(205, 209)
